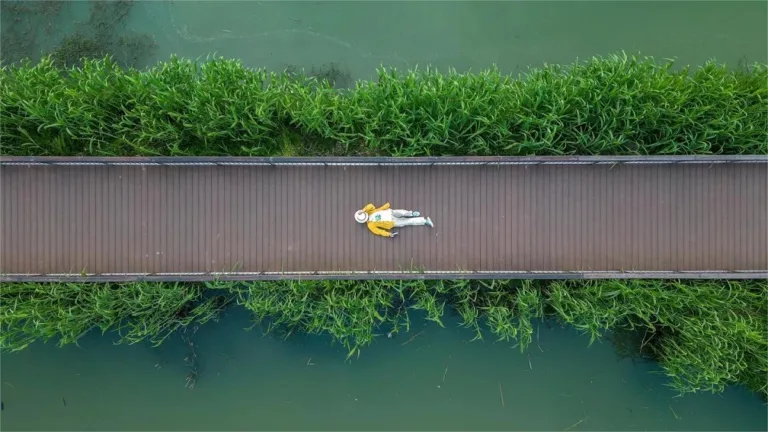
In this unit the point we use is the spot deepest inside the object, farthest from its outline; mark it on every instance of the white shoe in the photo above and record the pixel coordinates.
(416, 214)
(429, 223)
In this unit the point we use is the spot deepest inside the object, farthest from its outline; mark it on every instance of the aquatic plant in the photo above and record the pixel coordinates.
(348, 310)
(705, 334)
(67, 311)
(613, 105)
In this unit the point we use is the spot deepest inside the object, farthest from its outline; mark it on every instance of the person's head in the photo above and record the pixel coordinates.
(361, 216)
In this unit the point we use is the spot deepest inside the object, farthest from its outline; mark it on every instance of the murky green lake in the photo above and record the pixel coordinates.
(355, 37)
(432, 378)
(437, 380)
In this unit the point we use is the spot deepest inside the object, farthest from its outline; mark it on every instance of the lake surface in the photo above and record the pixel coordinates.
(356, 37)
(437, 379)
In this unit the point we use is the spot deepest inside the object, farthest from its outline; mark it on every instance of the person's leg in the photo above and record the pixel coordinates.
(413, 221)
(405, 213)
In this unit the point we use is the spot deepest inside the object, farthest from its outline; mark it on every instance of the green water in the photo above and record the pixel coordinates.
(437, 380)
(362, 35)
(358, 36)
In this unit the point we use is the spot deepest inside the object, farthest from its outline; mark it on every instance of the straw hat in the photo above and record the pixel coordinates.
(361, 216)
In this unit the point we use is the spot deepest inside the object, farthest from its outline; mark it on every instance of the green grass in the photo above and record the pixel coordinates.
(612, 105)
(705, 334)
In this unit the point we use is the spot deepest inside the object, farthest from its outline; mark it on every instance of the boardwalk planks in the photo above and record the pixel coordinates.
(249, 218)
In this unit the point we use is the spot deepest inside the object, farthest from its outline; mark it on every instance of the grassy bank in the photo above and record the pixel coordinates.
(613, 105)
(705, 334)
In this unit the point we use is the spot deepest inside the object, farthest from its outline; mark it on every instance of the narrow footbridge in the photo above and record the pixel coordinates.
(272, 218)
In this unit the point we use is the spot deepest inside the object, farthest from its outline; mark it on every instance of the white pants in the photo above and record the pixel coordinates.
(404, 218)
(414, 221)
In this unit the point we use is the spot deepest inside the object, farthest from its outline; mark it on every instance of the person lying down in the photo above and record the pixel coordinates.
(381, 220)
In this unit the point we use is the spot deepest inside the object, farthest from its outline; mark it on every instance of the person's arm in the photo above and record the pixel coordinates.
(381, 229)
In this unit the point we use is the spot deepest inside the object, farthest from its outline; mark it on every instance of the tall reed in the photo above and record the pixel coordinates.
(613, 105)
(66, 311)
(705, 334)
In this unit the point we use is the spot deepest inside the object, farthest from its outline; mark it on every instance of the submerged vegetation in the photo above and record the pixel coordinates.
(705, 334)
(99, 28)
(613, 105)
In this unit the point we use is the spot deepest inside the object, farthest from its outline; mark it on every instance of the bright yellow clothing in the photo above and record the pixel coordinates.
(378, 227)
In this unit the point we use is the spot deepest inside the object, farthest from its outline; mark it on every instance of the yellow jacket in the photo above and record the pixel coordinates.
(378, 227)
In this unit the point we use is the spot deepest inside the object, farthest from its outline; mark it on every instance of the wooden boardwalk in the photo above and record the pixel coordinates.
(244, 218)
